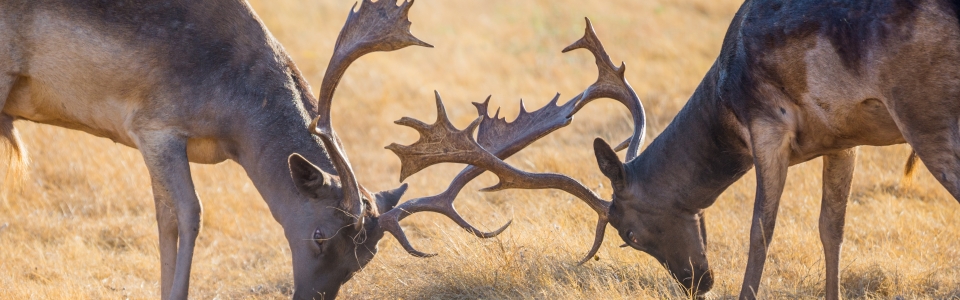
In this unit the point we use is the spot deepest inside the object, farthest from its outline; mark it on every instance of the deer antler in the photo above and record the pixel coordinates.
(442, 142)
(376, 26)
(443, 203)
(612, 84)
(498, 139)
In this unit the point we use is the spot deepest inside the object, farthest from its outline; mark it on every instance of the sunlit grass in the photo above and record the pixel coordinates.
(83, 226)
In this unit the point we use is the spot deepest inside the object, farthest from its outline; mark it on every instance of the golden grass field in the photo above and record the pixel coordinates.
(82, 225)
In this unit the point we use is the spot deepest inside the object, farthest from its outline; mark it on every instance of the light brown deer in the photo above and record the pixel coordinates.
(795, 80)
(204, 81)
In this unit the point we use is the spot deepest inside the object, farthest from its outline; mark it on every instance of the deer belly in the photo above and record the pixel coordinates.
(66, 107)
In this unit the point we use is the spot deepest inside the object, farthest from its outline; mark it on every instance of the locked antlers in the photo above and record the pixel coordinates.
(376, 26)
(498, 139)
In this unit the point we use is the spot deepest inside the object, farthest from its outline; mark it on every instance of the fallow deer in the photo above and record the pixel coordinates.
(204, 81)
(795, 80)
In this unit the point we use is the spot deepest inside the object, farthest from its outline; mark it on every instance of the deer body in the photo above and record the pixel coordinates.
(186, 81)
(78, 69)
(794, 81)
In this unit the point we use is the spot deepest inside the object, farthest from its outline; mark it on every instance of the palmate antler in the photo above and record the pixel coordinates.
(498, 139)
(376, 26)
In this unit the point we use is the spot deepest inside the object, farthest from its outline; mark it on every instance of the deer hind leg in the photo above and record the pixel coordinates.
(178, 208)
(940, 152)
(837, 175)
(771, 142)
(931, 125)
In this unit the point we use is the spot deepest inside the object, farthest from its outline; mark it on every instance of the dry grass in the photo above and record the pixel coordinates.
(83, 226)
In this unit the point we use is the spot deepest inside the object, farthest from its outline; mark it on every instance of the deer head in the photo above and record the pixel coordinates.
(497, 139)
(340, 239)
(676, 239)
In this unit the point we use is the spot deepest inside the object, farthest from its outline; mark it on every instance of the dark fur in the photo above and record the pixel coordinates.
(754, 100)
(759, 27)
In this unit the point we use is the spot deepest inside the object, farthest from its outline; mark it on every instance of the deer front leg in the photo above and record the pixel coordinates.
(837, 176)
(771, 149)
(178, 208)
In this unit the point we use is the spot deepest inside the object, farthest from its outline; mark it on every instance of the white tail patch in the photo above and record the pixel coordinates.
(13, 155)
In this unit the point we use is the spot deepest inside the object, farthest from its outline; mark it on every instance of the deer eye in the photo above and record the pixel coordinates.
(318, 238)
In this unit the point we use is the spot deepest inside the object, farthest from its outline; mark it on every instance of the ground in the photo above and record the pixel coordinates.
(82, 225)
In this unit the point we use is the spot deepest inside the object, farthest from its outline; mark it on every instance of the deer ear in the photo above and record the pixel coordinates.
(308, 178)
(387, 200)
(609, 163)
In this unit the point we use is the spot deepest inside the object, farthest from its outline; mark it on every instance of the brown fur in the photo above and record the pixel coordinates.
(182, 81)
(796, 80)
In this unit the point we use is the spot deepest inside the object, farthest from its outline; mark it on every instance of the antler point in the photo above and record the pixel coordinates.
(403, 174)
(421, 43)
(555, 99)
(473, 126)
(497, 232)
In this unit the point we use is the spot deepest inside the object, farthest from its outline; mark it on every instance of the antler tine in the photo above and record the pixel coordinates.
(442, 142)
(441, 203)
(375, 26)
(500, 139)
(495, 137)
(611, 83)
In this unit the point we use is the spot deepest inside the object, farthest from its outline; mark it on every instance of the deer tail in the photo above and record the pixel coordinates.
(910, 168)
(13, 154)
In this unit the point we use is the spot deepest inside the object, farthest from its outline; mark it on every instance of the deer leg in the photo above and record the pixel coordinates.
(933, 130)
(837, 176)
(940, 152)
(167, 228)
(178, 208)
(771, 149)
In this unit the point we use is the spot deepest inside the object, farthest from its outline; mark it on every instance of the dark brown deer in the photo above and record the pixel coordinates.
(204, 81)
(795, 80)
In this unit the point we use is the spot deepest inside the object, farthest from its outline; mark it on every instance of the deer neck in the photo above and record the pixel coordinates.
(270, 131)
(701, 153)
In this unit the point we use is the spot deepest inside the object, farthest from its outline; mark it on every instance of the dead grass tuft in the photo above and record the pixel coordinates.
(83, 225)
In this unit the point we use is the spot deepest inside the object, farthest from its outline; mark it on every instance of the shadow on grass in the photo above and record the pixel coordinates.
(550, 280)
(877, 283)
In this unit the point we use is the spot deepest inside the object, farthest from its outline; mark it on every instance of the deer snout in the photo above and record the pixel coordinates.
(696, 282)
